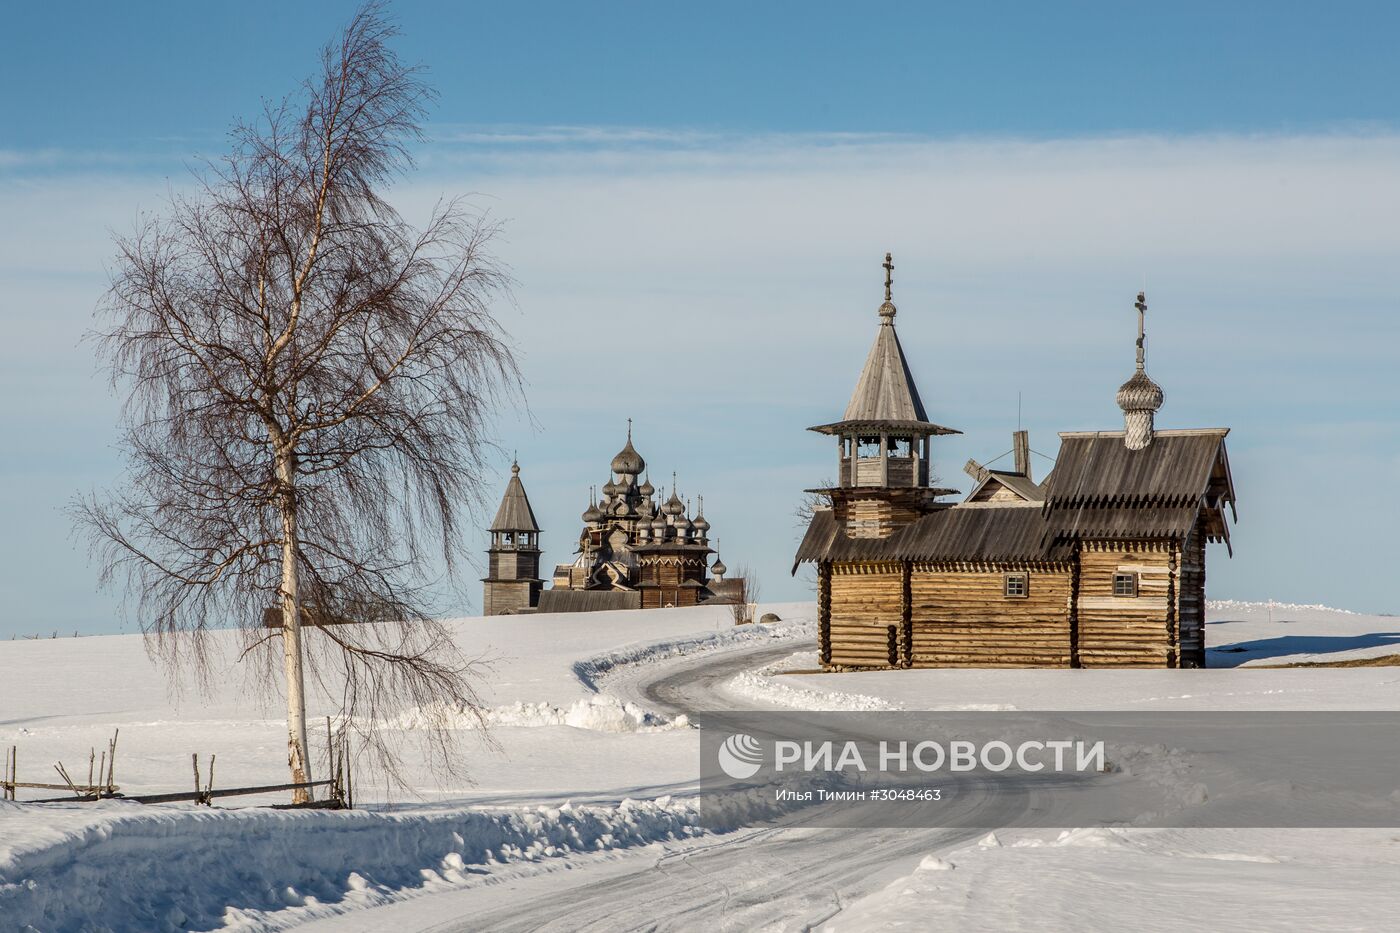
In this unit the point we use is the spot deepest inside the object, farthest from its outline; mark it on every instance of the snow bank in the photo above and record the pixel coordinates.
(765, 686)
(123, 867)
(591, 670)
(147, 869)
(601, 713)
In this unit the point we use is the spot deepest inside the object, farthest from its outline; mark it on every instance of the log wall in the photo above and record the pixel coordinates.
(866, 612)
(919, 614)
(961, 617)
(503, 596)
(1128, 631)
(1191, 599)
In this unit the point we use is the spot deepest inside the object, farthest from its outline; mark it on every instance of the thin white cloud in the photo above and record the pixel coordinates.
(720, 288)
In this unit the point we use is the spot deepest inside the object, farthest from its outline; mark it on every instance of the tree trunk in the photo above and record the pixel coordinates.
(297, 759)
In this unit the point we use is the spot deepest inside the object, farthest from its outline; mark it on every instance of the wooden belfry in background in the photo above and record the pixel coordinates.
(1100, 565)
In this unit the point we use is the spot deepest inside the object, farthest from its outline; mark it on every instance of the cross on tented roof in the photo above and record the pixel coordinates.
(885, 395)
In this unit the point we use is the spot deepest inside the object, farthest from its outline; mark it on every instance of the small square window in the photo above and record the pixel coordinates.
(1016, 585)
(1125, 584)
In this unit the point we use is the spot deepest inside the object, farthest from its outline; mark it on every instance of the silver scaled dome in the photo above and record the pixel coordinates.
(1140, 394)
(591, 514)
(628, 462)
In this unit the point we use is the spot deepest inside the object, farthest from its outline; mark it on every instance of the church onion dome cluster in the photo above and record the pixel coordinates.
(646, 515)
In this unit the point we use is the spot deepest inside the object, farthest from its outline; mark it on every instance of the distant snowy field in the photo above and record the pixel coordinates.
(1240, 638)
(581, 771)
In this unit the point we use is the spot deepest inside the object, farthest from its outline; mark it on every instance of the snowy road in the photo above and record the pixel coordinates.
(778, 876)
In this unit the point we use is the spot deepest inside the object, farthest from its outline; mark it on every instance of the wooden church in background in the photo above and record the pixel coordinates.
(637, 550)
(513, 579)
(1100, 565)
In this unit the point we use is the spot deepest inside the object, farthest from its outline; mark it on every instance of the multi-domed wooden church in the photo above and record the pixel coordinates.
(637, 550)
(1101, 564)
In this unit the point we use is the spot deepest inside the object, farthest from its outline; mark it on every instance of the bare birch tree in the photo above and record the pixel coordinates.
(308, 379)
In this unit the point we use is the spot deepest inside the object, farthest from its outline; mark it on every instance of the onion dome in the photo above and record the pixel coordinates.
(718, 567)
(701, 525)
(674, 506)
(611, 489)
(628, 462)
(1140, 393)
(646, 489)
(659, 526)
(592, 514)
(622, 508)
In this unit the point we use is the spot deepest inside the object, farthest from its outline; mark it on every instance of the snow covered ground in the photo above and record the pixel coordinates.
(581, 815)
(1143, 879)
(1241, 639)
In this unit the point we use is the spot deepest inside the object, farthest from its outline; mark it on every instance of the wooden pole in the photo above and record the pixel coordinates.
(112, 763)
(194, 759)
(67, 780)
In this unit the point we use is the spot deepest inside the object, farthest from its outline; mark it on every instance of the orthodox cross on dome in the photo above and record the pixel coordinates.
(629, 429)
(1141, 305)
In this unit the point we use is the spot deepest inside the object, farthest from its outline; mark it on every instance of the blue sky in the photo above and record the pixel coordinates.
(697, 201)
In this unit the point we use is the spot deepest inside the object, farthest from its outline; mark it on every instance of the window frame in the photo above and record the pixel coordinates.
(1020, 577)
(1132, 580)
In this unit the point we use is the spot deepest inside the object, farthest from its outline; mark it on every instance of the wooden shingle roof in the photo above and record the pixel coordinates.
(1019, 483)
(1176, 469)
(971, 533)
(556, 600)
(515, 513)
(1102, 489)
(1099, 489)
(885, 390)
(885, 396)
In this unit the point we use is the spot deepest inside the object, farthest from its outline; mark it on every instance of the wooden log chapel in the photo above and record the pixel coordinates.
(1101, 564)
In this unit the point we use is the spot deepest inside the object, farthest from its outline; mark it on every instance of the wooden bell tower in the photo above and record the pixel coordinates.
(882, 441)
